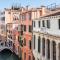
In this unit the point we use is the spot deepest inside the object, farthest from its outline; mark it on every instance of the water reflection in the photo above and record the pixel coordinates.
(8, 55)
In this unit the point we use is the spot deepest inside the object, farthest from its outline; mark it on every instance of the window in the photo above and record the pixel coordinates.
(15, 17)
(21, 32)
(23, 16)
(33, 23)
(37, 59)
(10, 43)
(30, 28)
(24, 27)
(43, 46)
(20, 16)
(40, 12)
(29, 57)
(18, 38)
(11, 37)
(59, 50)
(54, 50)
(2, 44)
(48, 48)
(18, 27)
(34, 40)
(43, 23)
(39, 23)
(33, 58)
(30, 44)
(21, 27)
(59, 23)
(24, 56)
(24, 42)
(30, 16)
(3, 18)
(9, 12)
(39, 44)
(48, 23)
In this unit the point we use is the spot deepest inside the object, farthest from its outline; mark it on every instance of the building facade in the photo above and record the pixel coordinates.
(2, 21)
(46, 37)
(12, 28)
(26, 17)
(9, 19)
(26, 34)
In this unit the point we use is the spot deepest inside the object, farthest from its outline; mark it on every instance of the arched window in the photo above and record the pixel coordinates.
(34, 38)
(43, 46)
(39, 44)
(59, 50)
(48, 48)
(54, 50)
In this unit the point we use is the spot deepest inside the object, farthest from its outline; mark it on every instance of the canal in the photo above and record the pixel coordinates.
(8, 55)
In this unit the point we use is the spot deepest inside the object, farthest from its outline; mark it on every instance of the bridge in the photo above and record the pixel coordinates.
(6, 45)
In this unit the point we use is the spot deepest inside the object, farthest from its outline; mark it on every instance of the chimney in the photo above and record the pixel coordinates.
(27, 7)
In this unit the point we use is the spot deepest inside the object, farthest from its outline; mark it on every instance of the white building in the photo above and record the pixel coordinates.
(46, 37)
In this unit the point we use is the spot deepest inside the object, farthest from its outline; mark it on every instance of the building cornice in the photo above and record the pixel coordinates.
(48, 35)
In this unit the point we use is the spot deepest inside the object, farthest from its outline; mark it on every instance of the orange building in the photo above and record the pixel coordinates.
(26, 17)
(26, 33)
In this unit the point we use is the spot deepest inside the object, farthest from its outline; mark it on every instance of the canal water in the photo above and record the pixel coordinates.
(8, 55)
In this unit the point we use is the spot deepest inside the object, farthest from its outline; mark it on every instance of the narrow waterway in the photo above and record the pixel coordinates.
(8, 55)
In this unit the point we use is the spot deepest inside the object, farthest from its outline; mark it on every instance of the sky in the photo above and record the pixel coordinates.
(31, 3)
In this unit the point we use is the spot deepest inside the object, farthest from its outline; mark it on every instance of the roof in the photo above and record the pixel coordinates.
(52, 13)
(58, 13)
